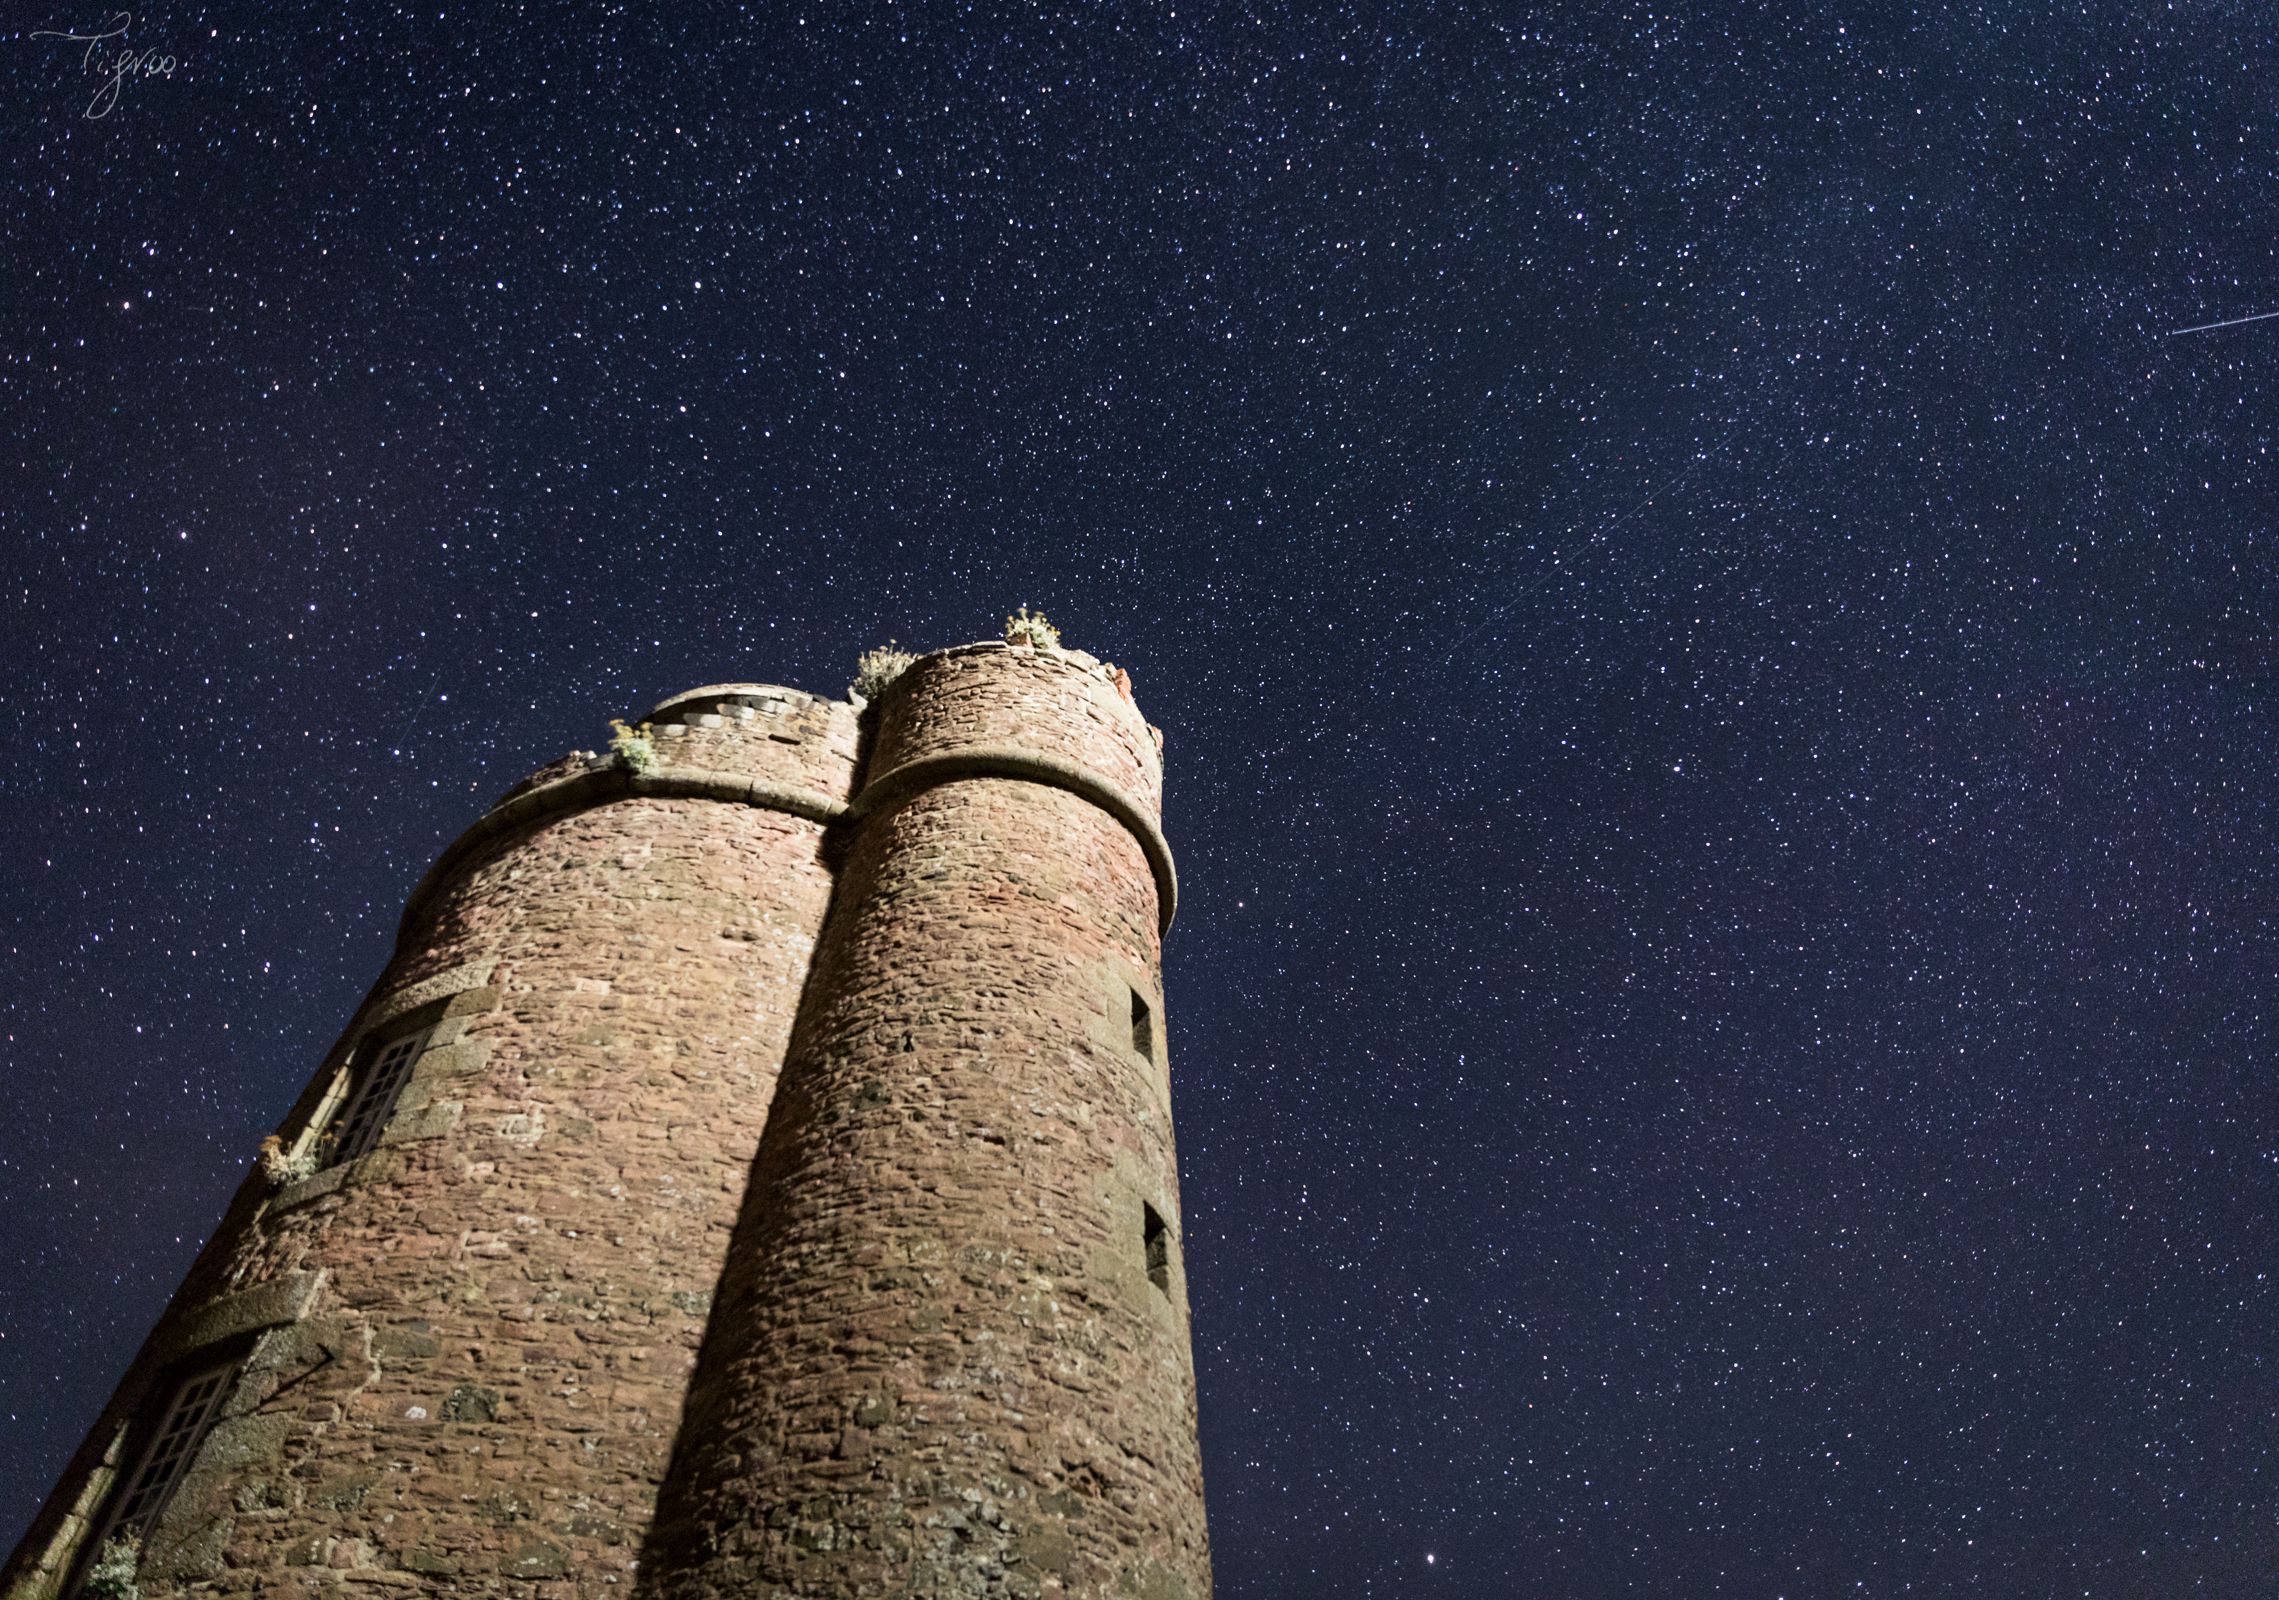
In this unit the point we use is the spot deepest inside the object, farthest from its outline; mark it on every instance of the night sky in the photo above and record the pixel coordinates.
(1715, 654)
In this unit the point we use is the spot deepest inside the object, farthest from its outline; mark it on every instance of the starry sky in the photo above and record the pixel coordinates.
(1715, 651)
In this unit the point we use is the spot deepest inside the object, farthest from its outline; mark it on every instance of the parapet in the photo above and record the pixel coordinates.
(1058, 717)
(761, 730)
(745, 743)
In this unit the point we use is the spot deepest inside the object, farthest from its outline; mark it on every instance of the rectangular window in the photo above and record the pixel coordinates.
(379, 1079)
(149, 1482)
(1155, 1239)
(1143, 1027)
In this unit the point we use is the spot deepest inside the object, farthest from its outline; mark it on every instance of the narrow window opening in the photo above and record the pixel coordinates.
(1155, 1239)
(380, 1079)
(1143, 1027)
(167, 1451)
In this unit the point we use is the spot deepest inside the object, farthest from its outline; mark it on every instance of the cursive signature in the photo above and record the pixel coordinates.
(116, 65)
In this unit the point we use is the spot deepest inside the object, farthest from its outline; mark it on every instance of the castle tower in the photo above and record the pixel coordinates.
(449, 1340)
(954, 1358)
(446, 1342)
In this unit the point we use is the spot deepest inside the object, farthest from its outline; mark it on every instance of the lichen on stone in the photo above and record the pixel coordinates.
(281, 1166)
(635, 748)
(116, 1572)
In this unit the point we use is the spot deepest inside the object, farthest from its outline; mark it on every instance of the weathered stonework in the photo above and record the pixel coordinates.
(942, 1319)
(941, 1366)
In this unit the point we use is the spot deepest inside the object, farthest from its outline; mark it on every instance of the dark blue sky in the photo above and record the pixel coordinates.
(1716, 661)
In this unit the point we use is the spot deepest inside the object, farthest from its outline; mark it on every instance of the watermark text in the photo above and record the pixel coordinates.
(113, 60)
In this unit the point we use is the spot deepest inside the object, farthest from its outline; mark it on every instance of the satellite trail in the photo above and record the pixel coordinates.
(2260, 316)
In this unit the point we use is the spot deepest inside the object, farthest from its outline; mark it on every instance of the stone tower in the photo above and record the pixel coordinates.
(751, 1176)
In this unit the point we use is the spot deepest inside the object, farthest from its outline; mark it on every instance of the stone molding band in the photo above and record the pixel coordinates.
(284, 1299)
(1011, 761)
(600, 785)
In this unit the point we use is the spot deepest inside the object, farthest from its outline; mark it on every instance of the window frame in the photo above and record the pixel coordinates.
(367, 1102)
(154, 1472)
(1155, 1247)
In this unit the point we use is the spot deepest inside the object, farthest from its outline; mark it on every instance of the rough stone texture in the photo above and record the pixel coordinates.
(940, 1366)
(483, 1392)
(937, 1355)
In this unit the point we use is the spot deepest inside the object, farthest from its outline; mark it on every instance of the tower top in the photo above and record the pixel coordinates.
(1042, 713)
(759, 696)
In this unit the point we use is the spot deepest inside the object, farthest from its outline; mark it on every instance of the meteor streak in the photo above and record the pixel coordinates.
(2260, 316)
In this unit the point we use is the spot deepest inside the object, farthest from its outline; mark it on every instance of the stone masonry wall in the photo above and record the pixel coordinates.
(559, 1333)
(467, 1352)
(950, 1359)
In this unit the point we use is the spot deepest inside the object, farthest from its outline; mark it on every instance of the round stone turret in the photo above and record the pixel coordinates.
(447, 1326)
(751, 1175)
(952, 1354)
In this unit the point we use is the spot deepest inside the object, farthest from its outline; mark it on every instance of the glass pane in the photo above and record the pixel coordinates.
(373, 1097)
(173, 1446)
